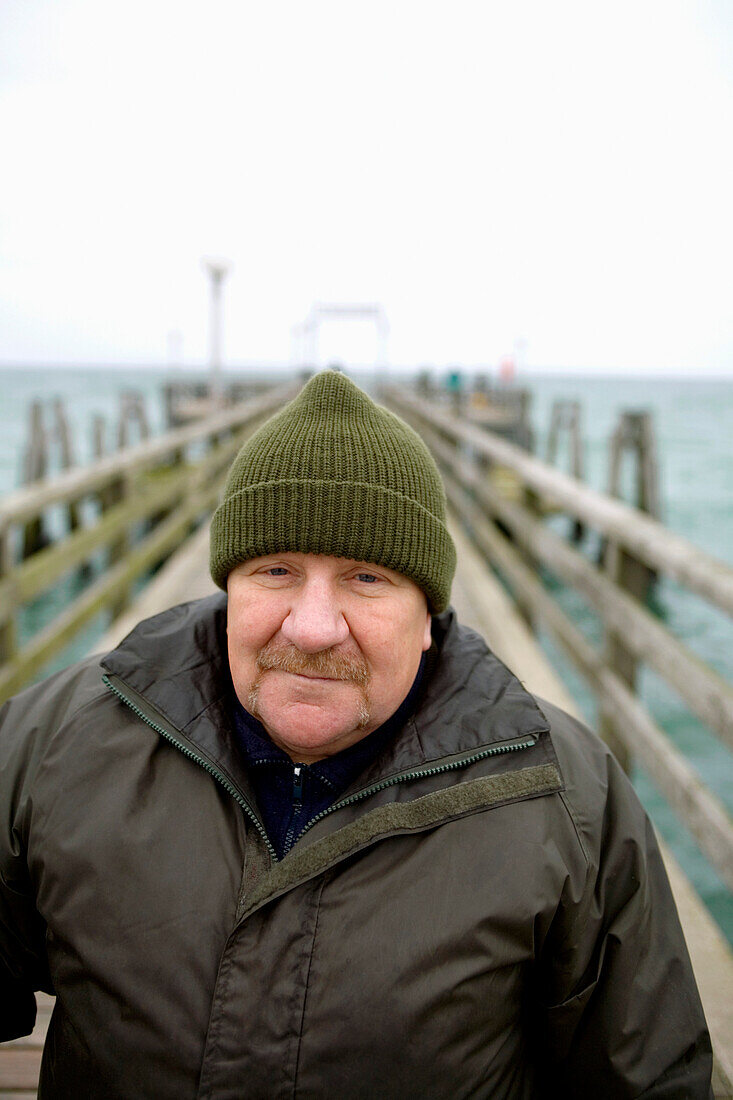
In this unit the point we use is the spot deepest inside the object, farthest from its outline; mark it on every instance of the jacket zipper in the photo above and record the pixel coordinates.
(198, 760)
(297, 806)
(496, 750)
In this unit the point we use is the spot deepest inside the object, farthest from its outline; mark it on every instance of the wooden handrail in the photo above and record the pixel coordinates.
(24, 504)
(703, 689)
(646, 538)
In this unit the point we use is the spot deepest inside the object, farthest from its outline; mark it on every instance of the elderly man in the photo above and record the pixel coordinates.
(312, 839)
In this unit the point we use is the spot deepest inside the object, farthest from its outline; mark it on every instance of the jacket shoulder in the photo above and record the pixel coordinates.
(30, 719)
(58, 696)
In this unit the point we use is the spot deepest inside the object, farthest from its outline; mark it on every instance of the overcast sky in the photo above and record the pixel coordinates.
(558, 173)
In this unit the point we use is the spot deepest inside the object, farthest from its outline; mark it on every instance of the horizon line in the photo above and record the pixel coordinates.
(269, 365)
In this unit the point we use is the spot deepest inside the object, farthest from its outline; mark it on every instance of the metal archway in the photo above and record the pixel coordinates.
(306, 334)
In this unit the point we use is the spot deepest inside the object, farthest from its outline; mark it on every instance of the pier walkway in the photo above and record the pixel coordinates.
(482, 602)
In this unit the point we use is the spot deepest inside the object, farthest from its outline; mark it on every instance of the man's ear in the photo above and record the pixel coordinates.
(427, 640)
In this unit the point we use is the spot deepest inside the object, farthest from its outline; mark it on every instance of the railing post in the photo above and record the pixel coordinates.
(8, 637)
(566, 416)
(117, 492)
(66, 454)
(99, 437)
(132, 410)
(35, 467)
(524, 432)
(631, 576)
(169, 389)
(634, 432)
(566, 420)
(424, 385)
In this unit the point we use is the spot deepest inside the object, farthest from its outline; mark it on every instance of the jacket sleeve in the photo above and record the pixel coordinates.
(622, 1015)
(23, 968)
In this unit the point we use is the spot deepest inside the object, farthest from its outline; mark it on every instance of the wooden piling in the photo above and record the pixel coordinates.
(565, 420)
(62, 435)
(633, 434)
(132, 413)
(99, 436)
(35, 467)
(8, 640)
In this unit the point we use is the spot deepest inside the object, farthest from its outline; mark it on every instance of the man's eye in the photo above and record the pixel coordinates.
(277, 571)
(366, 578)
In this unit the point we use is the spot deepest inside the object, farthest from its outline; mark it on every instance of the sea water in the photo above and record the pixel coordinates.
(693, 423)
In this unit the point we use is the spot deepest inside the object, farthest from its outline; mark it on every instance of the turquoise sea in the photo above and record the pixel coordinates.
(693, 420)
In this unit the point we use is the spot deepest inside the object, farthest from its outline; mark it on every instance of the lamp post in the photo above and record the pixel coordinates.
(217, 270)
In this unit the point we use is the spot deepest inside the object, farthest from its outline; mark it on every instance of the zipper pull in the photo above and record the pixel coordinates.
(298, 782)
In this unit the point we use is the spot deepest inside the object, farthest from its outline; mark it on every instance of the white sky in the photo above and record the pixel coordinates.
(555, 172)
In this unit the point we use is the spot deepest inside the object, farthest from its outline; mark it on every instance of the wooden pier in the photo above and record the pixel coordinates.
(495, 533)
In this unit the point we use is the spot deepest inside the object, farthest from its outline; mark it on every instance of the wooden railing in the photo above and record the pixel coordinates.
(142, 503)
(515, 538)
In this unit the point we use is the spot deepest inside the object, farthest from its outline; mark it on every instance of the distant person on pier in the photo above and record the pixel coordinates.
(310, 838)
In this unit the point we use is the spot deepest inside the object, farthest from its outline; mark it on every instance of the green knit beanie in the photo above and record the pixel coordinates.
(333, 473)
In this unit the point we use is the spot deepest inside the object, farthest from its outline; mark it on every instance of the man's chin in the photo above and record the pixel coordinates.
(309, 731)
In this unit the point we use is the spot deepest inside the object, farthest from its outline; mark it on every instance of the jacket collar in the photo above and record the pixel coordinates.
(472, 702)
(177, 663)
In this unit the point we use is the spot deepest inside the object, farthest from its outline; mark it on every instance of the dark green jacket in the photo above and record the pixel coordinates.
(484, 915)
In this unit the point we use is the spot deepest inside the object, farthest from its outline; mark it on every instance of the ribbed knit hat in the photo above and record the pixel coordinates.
(334, 473)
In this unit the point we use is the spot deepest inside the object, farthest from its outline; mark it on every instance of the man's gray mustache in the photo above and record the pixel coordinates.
(326, 663)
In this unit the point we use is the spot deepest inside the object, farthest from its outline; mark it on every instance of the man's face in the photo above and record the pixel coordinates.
(322, 650)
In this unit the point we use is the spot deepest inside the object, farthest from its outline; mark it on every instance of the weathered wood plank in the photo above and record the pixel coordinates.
(38, 572)
(19, 1068)
(19, 1076)
(483, 604)
(103, 592)
(185, 576)
(153, 492)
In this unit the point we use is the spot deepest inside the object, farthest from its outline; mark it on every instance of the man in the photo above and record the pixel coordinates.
(314, 840)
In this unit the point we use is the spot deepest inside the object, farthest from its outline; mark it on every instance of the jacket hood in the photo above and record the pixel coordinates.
(471, 701)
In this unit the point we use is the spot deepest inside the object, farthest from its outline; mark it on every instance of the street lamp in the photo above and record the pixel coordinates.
(217, 270)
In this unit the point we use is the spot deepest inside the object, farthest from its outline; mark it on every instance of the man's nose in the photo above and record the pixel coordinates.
(315, 620)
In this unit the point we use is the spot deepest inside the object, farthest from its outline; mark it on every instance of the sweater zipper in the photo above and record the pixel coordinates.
(496, 750)
(205, 764)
